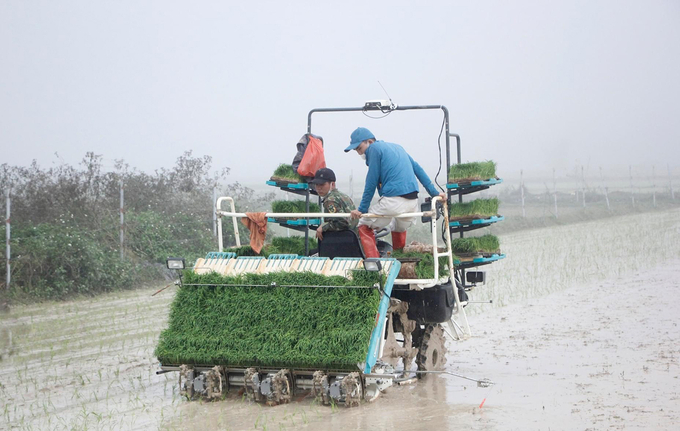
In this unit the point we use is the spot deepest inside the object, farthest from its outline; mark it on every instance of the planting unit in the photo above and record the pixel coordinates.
(336, 325)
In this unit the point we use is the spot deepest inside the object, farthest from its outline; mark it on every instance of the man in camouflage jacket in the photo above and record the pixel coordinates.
(334, 201)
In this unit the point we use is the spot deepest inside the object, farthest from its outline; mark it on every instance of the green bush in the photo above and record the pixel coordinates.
(58, 261)
(243, 325)
(154, 237)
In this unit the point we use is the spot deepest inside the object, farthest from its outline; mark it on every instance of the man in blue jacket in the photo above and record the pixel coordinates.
(395, 175)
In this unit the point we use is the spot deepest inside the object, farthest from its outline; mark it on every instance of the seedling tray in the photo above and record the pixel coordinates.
(465, 225)
(464, 187)
(296, 222)
(471, 262)
(291, 186)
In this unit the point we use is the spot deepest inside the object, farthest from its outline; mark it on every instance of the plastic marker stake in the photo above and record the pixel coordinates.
(482, 404)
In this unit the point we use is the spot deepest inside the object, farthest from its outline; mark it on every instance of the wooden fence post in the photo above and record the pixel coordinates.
(555, 192)
(653, 187)
(583, 187)
(521, 189)
(632, 194)
(214, 212)
(670, 182)
(605, 188)
(122, 221)
(8, 237)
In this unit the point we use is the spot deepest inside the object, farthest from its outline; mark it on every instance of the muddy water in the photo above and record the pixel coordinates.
(585, 339)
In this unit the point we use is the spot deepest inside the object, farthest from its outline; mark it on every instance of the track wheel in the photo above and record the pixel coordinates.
(432, 351)
(351, 386)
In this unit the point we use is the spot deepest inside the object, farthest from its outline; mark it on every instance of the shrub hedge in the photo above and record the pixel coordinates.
(57, 261)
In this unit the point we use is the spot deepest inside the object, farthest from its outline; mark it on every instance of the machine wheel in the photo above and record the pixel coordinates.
(432, 351)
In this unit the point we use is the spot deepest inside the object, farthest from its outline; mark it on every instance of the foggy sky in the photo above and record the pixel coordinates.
(532, 85)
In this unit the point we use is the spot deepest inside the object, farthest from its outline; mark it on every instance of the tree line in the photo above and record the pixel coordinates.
(65, 223)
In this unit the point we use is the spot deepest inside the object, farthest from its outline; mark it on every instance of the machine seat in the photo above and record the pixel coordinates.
(344, 243)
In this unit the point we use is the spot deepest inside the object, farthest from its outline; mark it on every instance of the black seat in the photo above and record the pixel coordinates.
(344, 243)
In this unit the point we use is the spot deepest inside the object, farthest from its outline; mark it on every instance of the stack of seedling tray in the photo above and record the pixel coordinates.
(472, 177)
(466, 216)
(279, 319)
(296, 206)
(286, 179)
(463, 179)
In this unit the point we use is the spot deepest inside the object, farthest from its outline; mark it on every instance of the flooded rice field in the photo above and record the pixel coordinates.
(582, 334)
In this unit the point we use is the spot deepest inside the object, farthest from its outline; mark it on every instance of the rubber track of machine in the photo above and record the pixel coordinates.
(352, 386)
(432, 353)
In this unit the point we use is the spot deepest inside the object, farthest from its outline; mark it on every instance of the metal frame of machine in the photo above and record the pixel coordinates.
(378, 371)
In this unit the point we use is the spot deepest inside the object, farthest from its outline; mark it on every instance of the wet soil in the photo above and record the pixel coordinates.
(582, 334)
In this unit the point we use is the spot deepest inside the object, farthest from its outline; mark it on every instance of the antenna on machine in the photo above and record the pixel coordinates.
(384, 106)
(392, 104)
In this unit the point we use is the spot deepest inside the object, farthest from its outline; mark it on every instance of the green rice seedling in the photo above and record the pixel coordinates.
(488, 243)
(279, 245)
(297, 206)
(285, 172)
(290, 245)
(425, 268)
(244, 250)
(482, 244)
(303, 320)
(478, 208)
(472, 171)
(463, 245)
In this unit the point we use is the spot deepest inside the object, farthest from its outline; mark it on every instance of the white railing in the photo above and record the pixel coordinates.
(219, 213)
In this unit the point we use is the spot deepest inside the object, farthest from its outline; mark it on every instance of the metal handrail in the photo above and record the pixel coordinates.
(421, 283)
(218, 206)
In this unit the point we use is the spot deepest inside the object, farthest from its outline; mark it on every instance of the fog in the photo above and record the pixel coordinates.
(532, 85)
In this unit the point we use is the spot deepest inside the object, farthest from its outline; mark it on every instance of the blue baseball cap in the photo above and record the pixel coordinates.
(358, 136)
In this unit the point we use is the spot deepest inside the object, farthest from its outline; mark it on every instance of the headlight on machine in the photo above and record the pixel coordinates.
(175, 262)
(372, 264)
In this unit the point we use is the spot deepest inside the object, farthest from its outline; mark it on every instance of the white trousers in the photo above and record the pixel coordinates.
(391, 205)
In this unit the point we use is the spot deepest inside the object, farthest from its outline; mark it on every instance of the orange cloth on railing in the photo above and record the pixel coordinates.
(257, 224)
